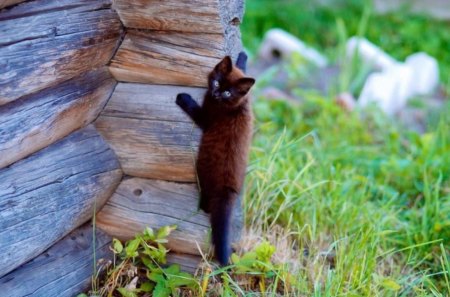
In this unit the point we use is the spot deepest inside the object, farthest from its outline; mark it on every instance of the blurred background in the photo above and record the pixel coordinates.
(350, 169)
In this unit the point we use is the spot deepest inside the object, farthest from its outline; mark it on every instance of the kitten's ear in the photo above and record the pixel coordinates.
(224, 66)
(243, 85)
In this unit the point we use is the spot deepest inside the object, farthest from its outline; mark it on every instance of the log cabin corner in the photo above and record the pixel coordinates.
(88, 126)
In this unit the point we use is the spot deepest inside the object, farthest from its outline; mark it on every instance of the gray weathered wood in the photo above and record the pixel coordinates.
(64, 270)
(162, 57)
(46, 42)
(196, 16)
(138, 203)
(188, 263)
(151, 135)
(50, 193)
(6, 3)
(40, 119)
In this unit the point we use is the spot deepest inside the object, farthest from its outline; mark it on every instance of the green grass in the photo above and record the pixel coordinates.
(375, 195)
(361, 187)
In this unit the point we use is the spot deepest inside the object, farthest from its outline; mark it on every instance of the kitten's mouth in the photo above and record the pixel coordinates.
(217, 97)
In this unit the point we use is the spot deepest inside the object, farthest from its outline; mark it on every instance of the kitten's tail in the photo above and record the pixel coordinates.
(221, 226)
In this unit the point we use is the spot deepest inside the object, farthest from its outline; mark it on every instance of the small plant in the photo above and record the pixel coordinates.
(138, 269)
(256, 264)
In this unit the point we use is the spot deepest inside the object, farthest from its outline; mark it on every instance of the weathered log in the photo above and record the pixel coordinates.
(195, 16)
(64, 270)
(52, 192)
(40, 119)
(46, 42)
(188, 263)
(185, 16)
(150, 134)
(138, 203)
(6, 3)
(160, 57)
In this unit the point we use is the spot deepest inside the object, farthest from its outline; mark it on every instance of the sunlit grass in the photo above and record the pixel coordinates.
(357, 187)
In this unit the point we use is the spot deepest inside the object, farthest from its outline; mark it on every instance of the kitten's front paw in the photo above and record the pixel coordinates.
(183, 99)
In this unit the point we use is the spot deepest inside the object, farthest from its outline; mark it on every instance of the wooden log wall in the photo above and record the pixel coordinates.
(168, 48)
(181, 42)
(149, 133)
(64, 270)
(39, 119)
(60, 61)
(56, 170)
(47, 42)
(52, 192)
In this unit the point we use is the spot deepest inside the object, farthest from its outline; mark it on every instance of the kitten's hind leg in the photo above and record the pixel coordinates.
(241, 61)
(189, 106)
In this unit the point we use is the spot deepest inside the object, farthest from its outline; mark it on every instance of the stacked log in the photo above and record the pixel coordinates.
(168, 48)
(88, 120)
(47, 42)
(56, 170)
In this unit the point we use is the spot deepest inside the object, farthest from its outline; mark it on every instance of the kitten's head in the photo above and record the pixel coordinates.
(227, 84)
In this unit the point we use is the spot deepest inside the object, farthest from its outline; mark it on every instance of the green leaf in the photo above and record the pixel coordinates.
(117, 246)
(163, 232)
(234, 258)
(162, 240)
(131, 248)
(82, 295)
(390, 284)
(147, 287)
(172, 269)
(148, 262)
(161, 290)
(156, 276)
(149, 233)
(181, 280)
(264, 251)
(126, 293)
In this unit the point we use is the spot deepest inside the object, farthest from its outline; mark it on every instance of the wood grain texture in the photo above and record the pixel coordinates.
(150, 134)
(188, 263)
(40, 119)
(52, 192)
(160, 57)
(64, 270)
(46, 42)
(221, 17)
(138, 203)
(188, 38)
(201, 16)
(6, 3)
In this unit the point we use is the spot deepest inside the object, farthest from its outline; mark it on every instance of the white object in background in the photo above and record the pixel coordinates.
(426, 73)
(389, 89)
(284, 44)
(369, 53)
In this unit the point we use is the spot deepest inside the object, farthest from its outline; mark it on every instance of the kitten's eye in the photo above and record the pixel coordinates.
(226, 94)
(215, 83)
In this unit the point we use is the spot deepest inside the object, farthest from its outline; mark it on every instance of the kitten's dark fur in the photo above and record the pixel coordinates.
(227, 121)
